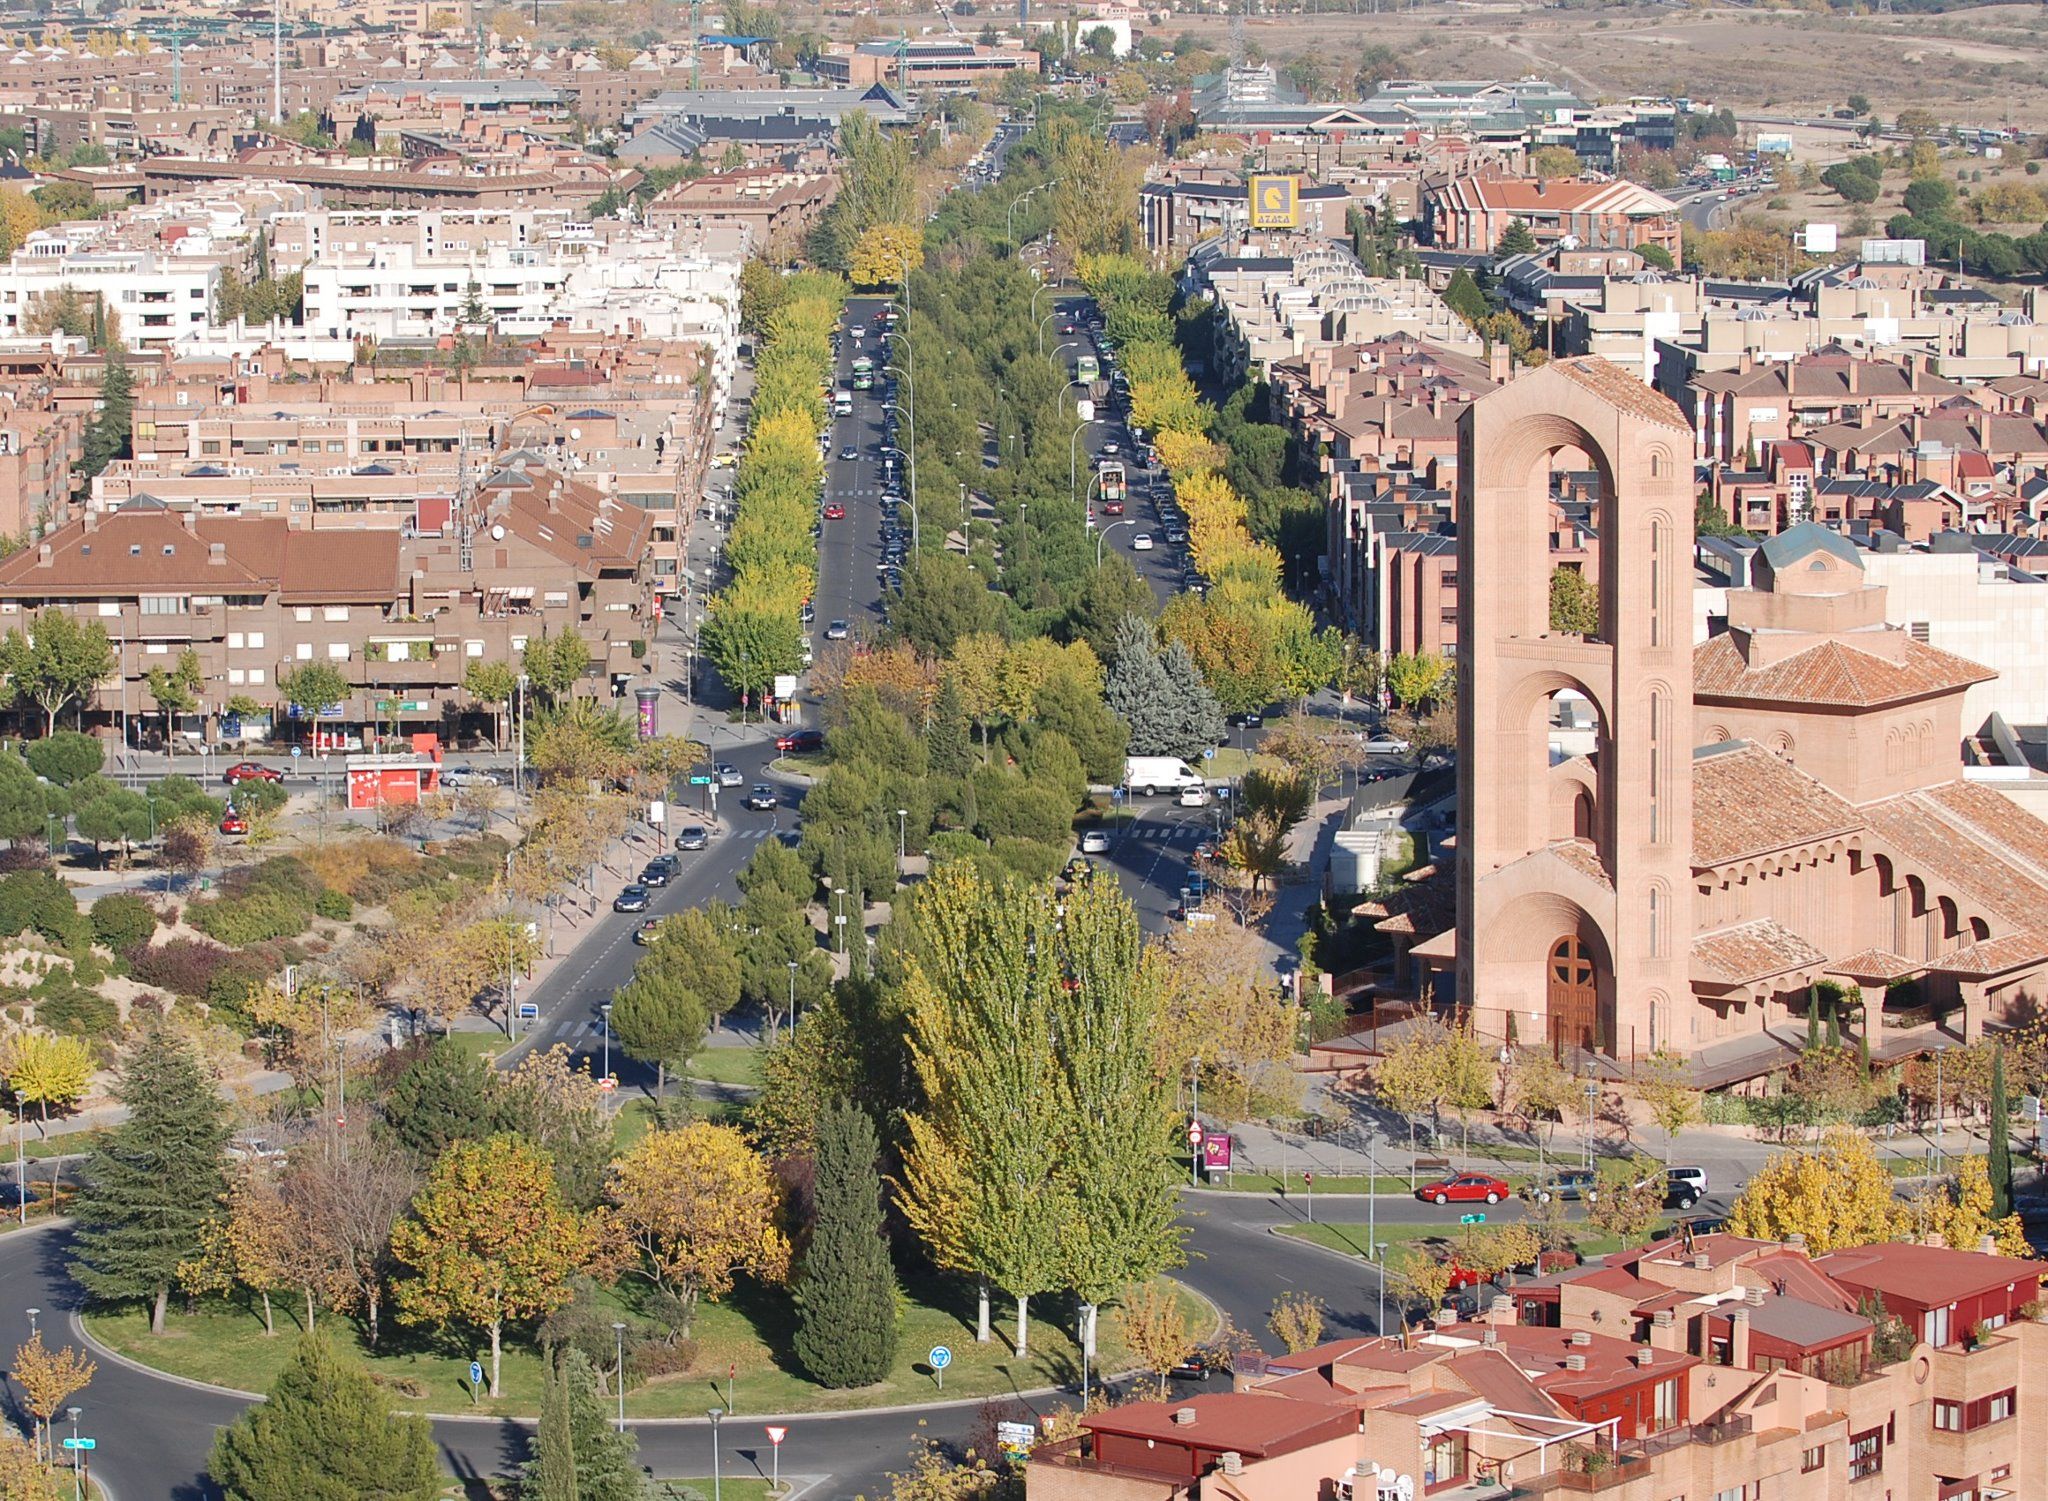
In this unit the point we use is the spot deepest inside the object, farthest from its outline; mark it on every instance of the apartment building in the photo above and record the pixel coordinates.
(942, 63)
(776, 207)
(1697, 1367)
(158, 296)
(1178, 213)
(401, 614)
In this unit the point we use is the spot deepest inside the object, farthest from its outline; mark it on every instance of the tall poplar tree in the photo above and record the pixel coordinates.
(1117, 1177)
(846, 1292)
(550, 1474)
(579, 1454)
(980, 1170)
(154, 1184)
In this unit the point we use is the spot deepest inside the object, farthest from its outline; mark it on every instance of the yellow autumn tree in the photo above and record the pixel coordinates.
(47, 1378)
(44, 1070)
(1962, 1219)
(883, 252)
(1183, 453)
(20, 217)
(699, 1205)
(1835, 1193)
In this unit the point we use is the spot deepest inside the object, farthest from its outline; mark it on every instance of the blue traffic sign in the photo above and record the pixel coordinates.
(1209, 754)
(297, 752)
(81, 1443)
(941, 1357)
(476, 1373)
(529, 1011)
(1471, 1219)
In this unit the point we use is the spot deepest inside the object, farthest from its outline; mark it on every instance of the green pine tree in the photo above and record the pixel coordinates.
(155, 1182)
(949, 746)
(326, 1433)
(1998, 1150)
(1464, 297)
(846, 1292)
(443, 1096)
(551, 1473)
(607, 1461)
(109, 436)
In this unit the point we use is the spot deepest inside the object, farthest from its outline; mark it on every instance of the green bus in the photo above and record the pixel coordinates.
(863, 374)
(1086, 370)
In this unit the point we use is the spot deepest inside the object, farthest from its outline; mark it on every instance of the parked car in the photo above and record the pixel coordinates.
(1465, 1188)
(1095, 842)
(633, 898)
(1386, 745)
(1684, 1186)
(15, 1195)
(232, 822)
(1202, 1363)
(1194, 797)
(1251, 719)
(1570, 1185)
(248, 1149)
(1080, 868)
(660, 871)
(762, 798)
(249, 771)
(800, 741)
(695, 837)
(728, 775)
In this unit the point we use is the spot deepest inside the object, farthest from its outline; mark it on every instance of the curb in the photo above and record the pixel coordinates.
(1280, 1232)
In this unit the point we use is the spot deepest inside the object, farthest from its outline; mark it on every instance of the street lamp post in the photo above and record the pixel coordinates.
(1042, 322)
(1592, 1104)
(910, 453)
(792, 995)
(1379, 1256)
(32, 1313)
(902, 814)
(1009, 222)
(619, 1341)
(77, 1487)
(716, 1477)
(1074, 461)
(604, 1013)
(1104, 533)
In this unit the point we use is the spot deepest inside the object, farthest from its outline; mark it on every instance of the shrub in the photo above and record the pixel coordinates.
(184, 966)
(227, 993)
(24, 857)
(36, 900)
(122, 920)
(239, 921)
(80, 1012)
(655, 1358)
(336, 906)
(65, 757)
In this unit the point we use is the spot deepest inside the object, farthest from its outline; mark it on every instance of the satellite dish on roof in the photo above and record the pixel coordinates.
(497, 533)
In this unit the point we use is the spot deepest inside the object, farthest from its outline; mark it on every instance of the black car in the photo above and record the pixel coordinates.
(1570, 1185)
(660, 871)
(633, 899)
(14, 1195)
(695, 837)
(1251, 719)
(762, 798)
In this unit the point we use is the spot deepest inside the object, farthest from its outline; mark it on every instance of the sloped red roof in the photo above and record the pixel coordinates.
(1831, 673)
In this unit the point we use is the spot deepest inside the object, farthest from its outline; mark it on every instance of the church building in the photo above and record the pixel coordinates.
(1781, 804)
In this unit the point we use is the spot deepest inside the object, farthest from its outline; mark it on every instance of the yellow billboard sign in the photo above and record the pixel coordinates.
(1276, 201)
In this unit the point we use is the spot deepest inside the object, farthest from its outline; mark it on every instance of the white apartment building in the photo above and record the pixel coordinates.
(397, 291)
(158, 295)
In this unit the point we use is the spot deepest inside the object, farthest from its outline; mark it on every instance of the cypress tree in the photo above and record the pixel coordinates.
(607, 1467)
(325, 1434)
(948, 746)
(1998, 1161)
(551, 1473)
(846, 1294)
(155, 1182)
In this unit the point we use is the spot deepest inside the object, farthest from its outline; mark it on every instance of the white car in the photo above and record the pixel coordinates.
(728, 775)
(1386, 745)
(1194, 797)
(1095, 842)
(1142, 542)
(856, 333)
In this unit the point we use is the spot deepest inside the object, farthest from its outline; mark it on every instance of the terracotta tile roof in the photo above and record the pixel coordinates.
(1831, 673)
(146, 549)
(1615, 385)
(1751, 951)
(338, 565)
(1985, 854)
(1993, 956)
(1746, 802)
(1875, 964)
(1919, 1275)
(1540, 1352)
(1495, 1379)
(1584, 859)
(1253, 1423)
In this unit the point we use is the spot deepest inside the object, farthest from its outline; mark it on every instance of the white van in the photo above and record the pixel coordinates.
(1145, 775)
(842, 404)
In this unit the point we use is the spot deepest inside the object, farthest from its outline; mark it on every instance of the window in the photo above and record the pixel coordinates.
(255, 641)
(472, 648)
(1948, 1416)
(1998, 1407)
(1866, 1453)
(1813, 1459)
(1736, 1493)
(237, 677)
(1665, 1411)
(303, 651)
(258, 676)
(301, 613)
(235, 640)
(110, 607)
(1935, 1327)
(163, 604)
(334, 612)
(337, 651)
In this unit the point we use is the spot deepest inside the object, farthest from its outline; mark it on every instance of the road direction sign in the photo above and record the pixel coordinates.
(297, 752)
(608, 1082)
(81, 1443)
(529, 1011)
(700, 781)
(1209, 754)
(1471, 1219)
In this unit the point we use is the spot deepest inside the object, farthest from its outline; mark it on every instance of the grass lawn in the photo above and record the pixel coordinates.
(739, 1066)
(223, 1343)
(1350, 1239)
(479, 1044)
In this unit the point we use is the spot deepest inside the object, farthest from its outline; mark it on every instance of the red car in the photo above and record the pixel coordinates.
(1463, 1276)
(249, 771)
(800, 740)
(1112, 508)
(1466, 1188)
(232, 822)
(835, 512)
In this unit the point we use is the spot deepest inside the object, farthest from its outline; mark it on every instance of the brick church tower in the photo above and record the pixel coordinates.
(1575, 873)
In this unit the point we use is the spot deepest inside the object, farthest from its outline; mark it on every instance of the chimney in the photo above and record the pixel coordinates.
(217, 554)
(1702, 1262)
(92, 519)
(1987, 1246)
(1855, 376)
(1745, 361)
(1582, 1338)
(1575, 1362)
(46, 556)
(190, 521)
(1500, 362)
(1646, 1357)
(1796, 1241)
(1738, 1338)
(1753, 1296)
(1446, 1315)
(1184, 1416)
(1230, 1462)
(1490, 1338)
(1501, 1310)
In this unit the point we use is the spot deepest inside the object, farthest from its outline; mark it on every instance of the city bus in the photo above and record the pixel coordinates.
(863, 374)
(1086, 370)
(1114, 489)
